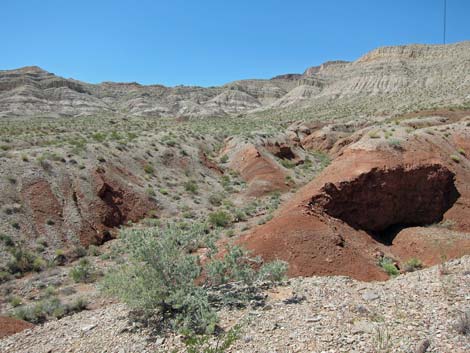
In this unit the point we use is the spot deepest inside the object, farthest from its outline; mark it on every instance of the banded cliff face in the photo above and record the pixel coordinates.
(388, 77)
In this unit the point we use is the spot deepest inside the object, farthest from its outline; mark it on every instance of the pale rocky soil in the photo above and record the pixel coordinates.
(338, 314)
(152, 141)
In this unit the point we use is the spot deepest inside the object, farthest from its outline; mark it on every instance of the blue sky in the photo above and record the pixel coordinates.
(210, 42)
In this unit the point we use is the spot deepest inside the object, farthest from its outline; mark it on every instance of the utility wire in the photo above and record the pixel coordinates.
(445, 22)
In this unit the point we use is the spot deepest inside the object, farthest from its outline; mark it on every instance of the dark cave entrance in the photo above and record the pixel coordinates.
(383, 202)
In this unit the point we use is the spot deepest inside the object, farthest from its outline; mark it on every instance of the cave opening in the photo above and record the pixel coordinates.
(382, 202)
(113, 199)
(285, 152)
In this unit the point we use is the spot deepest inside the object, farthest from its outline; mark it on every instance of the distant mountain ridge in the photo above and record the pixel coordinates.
(387, 77)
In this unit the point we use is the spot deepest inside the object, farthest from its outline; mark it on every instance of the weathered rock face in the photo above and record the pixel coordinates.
(381, 198)
(385, 78)
(67, 210)
(340, 223)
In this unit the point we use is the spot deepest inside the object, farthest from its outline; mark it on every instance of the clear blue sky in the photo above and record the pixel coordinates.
(210, 42)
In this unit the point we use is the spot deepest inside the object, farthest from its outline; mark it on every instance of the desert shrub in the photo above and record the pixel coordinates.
(239, 216)
(413, 264)
(208, 344)
(216, 199)
(30, 313)
(39, 264)
(274, 271)
(99, 136)
(224, 159)
(60, 257)
(83, 272)
(21, 262)
(7, 240)
(220, 219)
(455, 158)
(388, 266)
(159, 278)
(236, 265)
(4, 276)
(191, 186)
(79, 251)
(16, 225)
(40, 311)
(77, 305)
(93, 250)
(149, 169)
(287, 163)
(395, 143)
(14, 301)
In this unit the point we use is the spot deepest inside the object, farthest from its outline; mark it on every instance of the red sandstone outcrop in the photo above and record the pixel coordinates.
(62, 208)
(339, 222)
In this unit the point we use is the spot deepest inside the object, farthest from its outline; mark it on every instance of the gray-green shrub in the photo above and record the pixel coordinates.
(160, 277)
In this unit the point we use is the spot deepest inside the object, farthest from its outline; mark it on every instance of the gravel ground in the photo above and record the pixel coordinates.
(329, 314)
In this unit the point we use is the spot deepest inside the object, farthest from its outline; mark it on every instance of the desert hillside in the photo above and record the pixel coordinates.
(324, 211)
(383, 81)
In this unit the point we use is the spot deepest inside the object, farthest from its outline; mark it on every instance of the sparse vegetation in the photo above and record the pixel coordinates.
(388, 266)
(83, 272)
(39, 312)
(413, 264)
(161, 272)
(191, 186)
(149, 169)
(220, 219)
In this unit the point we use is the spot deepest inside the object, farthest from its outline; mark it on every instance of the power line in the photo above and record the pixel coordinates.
(445, 22)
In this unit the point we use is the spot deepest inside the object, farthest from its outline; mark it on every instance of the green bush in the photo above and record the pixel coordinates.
(41, 311)
(22, 261)
(413, 264)
(14, 301)
(389, 267)
(4, 276)
(206, 344)
(149, 169)
(274, 271)
(39, 264)
(236, 265)
(220, 219)
(224, 159)
(83, 272)
(7, 240)
(159, 277)
(216, 199)
(191, 186)
(287, 163)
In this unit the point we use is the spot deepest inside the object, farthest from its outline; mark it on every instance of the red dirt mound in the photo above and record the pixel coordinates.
(10, 326)
(67, 207)
(333, 225)
(259, 170)
(431, 245)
